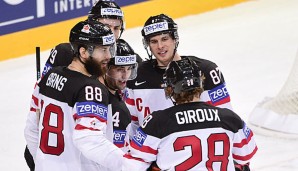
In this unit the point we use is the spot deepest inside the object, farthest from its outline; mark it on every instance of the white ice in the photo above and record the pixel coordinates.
(254, 43)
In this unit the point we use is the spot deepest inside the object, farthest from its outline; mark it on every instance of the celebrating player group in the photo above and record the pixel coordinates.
(99, 107)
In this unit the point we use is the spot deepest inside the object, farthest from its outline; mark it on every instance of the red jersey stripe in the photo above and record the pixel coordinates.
(247, 157)
(244, 141)
(134, 158)
(76, 116)
(130, 101)
(134, 118)
(32, 109)
(81, 127)
(144, 148)
(35, 99)
(223, 101)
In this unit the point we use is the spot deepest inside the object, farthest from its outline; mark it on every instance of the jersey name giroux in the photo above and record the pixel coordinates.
(198, 115)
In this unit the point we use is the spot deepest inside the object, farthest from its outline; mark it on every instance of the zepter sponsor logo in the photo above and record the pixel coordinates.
(119, 136)
(46, 68)
(111, 11)
(246, 130)
(139, 137)
(92, 108)
(125, 60)
(218, 93)
(107, 40)
(156, 27)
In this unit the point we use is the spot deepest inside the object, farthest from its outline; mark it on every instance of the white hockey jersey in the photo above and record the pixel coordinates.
(145, 95)
(69, 133)
(193, 136)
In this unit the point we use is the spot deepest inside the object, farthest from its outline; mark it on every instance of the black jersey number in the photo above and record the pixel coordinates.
(197, 151)
(52, 125)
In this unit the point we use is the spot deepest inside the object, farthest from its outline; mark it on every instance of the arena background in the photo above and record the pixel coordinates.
(27, 24)
(254, 44)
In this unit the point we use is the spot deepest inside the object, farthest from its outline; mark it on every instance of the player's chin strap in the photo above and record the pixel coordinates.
(90, 51)
(81, 60)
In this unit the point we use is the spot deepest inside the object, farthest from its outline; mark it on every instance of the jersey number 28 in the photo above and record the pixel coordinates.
(195, 144)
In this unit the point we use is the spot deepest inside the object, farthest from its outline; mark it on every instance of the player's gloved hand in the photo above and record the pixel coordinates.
(153, 167)
(239, 167)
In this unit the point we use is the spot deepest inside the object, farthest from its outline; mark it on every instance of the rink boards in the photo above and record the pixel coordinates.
(28, 24)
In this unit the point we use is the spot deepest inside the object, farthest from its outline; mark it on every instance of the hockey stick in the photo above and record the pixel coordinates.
(37, 63)
(37, 75)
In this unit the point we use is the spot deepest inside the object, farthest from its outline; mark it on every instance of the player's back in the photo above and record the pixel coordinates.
(194, 136)
(60, 55)
(62, 93)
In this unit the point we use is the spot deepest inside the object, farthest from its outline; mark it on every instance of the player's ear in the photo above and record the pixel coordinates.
(83, 53)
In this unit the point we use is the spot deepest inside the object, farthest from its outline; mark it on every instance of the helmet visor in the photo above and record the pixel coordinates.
(122, 72)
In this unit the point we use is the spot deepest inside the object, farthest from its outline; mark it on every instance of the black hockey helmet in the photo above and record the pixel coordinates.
(90, 34)
(159, 24)
(156, 25)
(182, 75)
(125, 56)
(107, 9)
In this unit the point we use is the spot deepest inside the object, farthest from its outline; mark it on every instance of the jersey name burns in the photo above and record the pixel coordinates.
(56, 81)
(198, 115)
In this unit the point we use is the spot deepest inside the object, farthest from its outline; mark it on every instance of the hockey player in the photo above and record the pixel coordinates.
(69, 132)
(145, 94)
(106, 12)
(192, 135)
(121, 68)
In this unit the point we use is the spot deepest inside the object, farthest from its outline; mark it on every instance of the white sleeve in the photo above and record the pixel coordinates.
(31, 127)
(95, 146)
(130, 103)
(244, 145)
(131, 130)
(131, 164)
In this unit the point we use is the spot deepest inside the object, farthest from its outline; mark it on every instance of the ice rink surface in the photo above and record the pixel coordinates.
(254, 44)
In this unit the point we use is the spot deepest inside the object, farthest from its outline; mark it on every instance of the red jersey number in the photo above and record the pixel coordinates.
(52, 111)
(196, 149)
